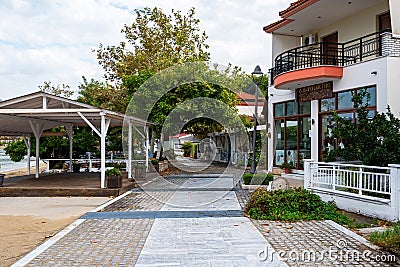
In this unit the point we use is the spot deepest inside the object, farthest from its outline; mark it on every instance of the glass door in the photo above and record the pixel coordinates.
(330, 49)
(280, 142)
(304, 140)
(291, 142)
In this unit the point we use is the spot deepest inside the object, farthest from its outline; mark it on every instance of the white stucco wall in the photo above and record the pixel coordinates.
(393, 83)
(394, 13)
(357, 25)
(282, 43)
(360, 75)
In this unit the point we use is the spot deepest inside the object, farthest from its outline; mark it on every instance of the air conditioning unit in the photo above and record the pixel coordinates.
(310, 39)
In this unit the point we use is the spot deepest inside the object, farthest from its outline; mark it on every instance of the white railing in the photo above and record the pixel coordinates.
(365, 189)
(355, 179)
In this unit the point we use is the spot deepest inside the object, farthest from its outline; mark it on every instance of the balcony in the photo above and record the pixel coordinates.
(322, 62)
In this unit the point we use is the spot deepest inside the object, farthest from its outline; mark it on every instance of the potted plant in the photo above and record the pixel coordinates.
(76, 166)
(140, 171)
(114, 178)
(287, 167)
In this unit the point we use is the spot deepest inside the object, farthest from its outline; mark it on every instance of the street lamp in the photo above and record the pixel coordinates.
(257, 72)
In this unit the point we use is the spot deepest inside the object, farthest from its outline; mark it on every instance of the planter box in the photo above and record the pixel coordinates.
(114, 181)
(140, 173)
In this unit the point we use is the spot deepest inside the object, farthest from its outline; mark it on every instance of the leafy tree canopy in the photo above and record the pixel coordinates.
(154, 41)
(58, 146)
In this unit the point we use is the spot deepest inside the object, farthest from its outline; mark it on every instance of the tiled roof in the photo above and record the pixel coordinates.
(293, 6)
(243, 96)
(276, 25)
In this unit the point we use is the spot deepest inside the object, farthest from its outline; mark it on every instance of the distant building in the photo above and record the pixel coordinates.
(175, 142)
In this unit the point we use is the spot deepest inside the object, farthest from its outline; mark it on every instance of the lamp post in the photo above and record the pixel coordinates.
(257, 72)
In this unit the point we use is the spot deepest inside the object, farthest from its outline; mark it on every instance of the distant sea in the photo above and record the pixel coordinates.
(6, 164)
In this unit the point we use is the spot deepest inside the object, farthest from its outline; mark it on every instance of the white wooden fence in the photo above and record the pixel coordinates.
(368, 190)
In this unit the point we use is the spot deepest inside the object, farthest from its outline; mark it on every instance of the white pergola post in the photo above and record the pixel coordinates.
(105, 123)
(103, 133)
(70, 132)
(37, 131)
(146, 129)
(103, 151)
(129, 162)
(27, 140)
(37, 138)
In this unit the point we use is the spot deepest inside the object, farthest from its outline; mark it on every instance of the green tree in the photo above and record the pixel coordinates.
(57, 146)
(154, 41)
(374, 141)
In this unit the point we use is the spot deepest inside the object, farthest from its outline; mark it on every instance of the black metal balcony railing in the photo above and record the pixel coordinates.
(337, 54)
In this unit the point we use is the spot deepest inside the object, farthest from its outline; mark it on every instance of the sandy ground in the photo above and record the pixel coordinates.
(28, 222)
(22, 171)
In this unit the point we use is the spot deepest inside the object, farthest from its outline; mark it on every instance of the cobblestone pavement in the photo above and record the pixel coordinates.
(331, 244)
(109, 242)
(295, 240)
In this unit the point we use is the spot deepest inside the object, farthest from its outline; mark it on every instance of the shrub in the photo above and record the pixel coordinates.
(187, 148)
(154, 162)
(292, 205)
(257, 179)
(113, 172)
(389, 239)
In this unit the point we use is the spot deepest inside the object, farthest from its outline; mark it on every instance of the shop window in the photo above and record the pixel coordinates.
(292, 140)
(328, 104)
(372, 96)
(291, 108)
(279, 110)
(305, 107)
(347, 116)
(343, 104)
(280, 142)
(345, 100)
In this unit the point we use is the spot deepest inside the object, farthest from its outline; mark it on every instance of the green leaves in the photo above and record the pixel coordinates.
(373, 141)
(292, 205)
(56, 147)
(154, 41)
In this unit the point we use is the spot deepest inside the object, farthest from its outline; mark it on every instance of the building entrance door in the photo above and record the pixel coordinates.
(330, 49)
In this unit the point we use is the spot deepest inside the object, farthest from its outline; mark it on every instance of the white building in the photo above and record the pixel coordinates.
(323, 51)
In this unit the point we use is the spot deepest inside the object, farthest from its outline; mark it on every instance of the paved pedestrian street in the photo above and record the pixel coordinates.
(196, 220)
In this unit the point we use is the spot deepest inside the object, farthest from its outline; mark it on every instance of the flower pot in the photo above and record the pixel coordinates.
(1, 179)
(114, 181)
(287, 170)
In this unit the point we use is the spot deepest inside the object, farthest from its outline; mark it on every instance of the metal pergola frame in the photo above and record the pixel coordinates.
(31, 114)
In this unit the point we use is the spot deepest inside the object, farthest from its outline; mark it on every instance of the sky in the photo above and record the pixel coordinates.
(53, 40)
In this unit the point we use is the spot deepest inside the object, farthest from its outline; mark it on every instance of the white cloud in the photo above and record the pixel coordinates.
(53, 40)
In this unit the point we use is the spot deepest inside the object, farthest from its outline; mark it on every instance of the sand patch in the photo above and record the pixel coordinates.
(21, 234)
(27, 222)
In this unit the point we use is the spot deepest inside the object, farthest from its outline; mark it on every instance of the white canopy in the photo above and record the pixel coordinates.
(31, 114)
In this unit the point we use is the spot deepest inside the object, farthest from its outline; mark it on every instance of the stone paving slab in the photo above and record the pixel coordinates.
(202, 200)
(203, 242)
(110, 242)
